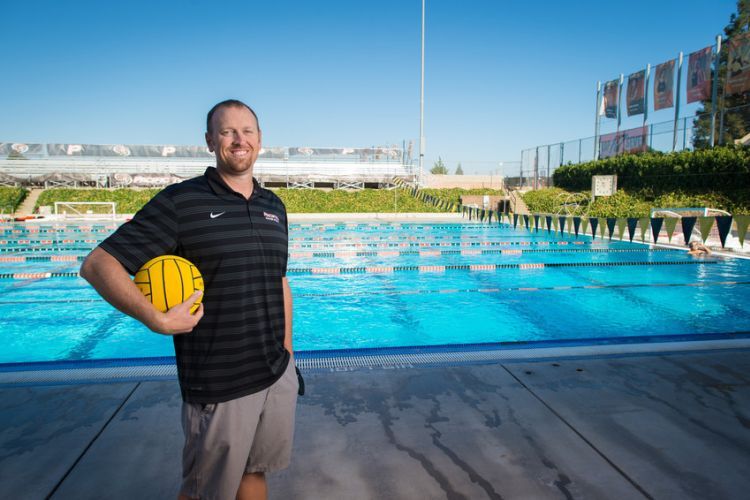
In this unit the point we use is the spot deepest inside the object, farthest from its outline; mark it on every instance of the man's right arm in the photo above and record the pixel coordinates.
(111, 280)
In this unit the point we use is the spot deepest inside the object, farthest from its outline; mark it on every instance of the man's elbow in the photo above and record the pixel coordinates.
(86, 269)
(90, 264)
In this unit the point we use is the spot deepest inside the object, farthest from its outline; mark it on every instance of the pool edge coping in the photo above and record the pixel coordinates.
(165, 369)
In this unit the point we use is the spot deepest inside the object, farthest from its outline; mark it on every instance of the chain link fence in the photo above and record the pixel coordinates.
(539, 163)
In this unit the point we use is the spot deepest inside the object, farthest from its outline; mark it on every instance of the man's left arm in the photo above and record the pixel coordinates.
(287, 315)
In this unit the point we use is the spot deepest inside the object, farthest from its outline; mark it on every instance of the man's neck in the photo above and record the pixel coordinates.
(242, 183)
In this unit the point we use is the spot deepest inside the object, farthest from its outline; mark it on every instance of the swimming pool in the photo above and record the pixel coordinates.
(364, 285)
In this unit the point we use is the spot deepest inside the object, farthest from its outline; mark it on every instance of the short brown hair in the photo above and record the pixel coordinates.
(229, 103)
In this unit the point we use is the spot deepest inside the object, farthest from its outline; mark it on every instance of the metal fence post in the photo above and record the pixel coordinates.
(684, 133)
(715, 90)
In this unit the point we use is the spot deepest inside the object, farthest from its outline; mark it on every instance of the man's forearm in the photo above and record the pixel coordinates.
(111, 280)
(288, 309)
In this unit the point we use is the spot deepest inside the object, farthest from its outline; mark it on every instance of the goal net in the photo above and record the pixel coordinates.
(86, 210)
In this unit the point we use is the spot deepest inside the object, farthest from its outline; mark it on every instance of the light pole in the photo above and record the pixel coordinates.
(421, 110)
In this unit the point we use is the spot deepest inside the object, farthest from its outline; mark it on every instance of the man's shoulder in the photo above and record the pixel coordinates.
(192, 185)
(272, 197)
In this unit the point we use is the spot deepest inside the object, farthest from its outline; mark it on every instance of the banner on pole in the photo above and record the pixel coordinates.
(664, 85)
(636, 93)
(634, 140)
(738, 64)
(609, 101)
(699, 75)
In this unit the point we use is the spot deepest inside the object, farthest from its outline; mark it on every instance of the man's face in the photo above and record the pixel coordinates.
(235, 138)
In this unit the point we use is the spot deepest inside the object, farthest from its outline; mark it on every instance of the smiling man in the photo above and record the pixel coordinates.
(234, 356)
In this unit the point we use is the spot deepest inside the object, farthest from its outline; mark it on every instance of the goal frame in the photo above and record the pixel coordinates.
(67, 210)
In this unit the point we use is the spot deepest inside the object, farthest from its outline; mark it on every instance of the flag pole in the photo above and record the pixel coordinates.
(619, 103)
(715, 90)
(421, 111)
(645, 93)
(597, 117)
(677, 103)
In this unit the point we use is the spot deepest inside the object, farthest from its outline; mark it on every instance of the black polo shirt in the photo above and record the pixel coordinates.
(240, 247)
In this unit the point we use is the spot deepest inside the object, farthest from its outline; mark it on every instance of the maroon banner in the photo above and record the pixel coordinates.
(609, 100)
(636, 93)
(664, 85)
(634, 140)
(699, 75)
(738, 64)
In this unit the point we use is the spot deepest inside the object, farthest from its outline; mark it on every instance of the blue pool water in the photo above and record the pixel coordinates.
(377, 285)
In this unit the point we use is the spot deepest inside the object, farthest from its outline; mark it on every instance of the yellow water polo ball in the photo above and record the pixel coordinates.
(169, 280)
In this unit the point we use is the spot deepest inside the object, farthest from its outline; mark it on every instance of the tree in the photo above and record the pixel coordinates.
(459, 170)
(439, 167)
(736, 121)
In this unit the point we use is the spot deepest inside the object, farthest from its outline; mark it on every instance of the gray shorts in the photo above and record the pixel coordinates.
(223, 441)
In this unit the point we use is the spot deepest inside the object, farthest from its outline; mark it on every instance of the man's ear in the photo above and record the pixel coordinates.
(209, 142)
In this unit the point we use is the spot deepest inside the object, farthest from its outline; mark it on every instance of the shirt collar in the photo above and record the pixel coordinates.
(218, 186)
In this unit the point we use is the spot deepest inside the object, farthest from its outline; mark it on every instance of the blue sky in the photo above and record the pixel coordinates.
(501, 76)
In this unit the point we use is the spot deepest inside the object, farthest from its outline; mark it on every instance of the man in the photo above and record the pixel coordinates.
(234, 355)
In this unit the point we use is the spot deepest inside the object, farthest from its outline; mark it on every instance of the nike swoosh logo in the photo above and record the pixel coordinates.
(213, 215)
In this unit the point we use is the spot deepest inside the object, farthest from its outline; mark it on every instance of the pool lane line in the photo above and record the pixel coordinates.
(403, 237)
(346, 241)
(399, 225)
(59, 245)
(515, 289)
(441, 253)
(295, 227)
(479, 267)
(46, 249)
(55, 232)
(703, 284)
(43, 258)
(297, 246)
(66, 241)
(400, 269)
(398, 253)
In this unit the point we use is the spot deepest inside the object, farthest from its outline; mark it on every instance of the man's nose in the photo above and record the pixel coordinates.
(238, 137)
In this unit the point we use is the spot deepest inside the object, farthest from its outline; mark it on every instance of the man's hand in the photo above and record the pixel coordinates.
(178, 319)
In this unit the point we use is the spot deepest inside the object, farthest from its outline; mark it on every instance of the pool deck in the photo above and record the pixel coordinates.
(644, 425)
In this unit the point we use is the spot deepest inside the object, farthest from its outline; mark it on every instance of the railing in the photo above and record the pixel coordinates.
(539, 163)
(102, 171)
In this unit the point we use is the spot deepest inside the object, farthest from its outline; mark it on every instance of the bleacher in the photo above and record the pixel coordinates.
(75, 165)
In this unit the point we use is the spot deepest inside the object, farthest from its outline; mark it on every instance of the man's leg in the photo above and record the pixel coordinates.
(253, 487)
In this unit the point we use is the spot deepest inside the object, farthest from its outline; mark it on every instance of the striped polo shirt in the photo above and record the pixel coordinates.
(240, 247)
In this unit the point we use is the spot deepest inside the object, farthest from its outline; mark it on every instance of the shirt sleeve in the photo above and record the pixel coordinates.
(150, 233)
(286, 258)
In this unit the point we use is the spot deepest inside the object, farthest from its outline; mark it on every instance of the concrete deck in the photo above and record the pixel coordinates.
(617, 427)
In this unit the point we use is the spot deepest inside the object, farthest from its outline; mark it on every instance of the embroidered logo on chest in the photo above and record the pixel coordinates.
(272, 217)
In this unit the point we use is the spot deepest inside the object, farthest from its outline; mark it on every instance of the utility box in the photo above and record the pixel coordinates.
(603, 185)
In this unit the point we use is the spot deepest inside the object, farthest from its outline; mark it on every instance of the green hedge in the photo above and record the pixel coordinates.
(724, 169)
(339, 201)
(11, 198)
(296, 200)
(128, 200)
(627, 204)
